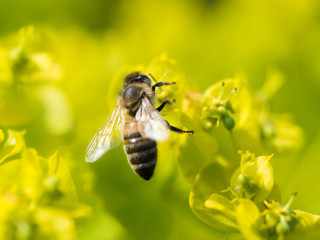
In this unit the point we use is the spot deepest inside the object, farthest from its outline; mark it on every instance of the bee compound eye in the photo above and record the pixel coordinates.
(131, 93)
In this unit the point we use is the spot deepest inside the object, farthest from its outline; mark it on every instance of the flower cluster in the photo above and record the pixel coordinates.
(28, 94)
(38, 198)
(232, 194)
(248, 201)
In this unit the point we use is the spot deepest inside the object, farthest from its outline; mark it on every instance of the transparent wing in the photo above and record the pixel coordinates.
(152, 124)
(108, 136)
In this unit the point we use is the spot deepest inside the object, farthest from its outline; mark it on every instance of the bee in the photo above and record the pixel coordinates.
(137, 122)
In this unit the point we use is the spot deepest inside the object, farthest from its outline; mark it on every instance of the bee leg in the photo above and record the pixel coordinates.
(178, 130)
(160, 84)
(163, 104)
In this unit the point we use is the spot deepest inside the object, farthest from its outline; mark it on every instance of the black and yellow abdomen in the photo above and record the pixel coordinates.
(141, 152)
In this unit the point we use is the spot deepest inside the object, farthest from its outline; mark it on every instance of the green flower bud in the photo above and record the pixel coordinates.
(283, 228)
(228, 122)
(243, 180)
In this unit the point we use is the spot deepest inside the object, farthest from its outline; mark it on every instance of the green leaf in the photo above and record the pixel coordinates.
(191, 159)
(14, 143)
(197, 150)
(221, 210)
(58, 171)
(248, 219)
(10, 172)
(307, 228)
(8, 147)
(212, 208)
(31, 175)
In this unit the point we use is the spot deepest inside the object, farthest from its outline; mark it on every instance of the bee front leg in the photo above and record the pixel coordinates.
(163, 104)
(178, 130)
(160, 84)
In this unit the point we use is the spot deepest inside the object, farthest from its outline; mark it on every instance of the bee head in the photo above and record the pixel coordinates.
(137, 77)
(131, 98)
(136, 86)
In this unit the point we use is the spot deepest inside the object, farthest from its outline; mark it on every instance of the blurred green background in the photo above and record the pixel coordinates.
(210, 40)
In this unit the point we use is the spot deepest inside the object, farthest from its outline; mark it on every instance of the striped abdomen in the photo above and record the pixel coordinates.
(141, 152)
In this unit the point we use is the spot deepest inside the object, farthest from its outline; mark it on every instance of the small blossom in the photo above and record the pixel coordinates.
(254, 178)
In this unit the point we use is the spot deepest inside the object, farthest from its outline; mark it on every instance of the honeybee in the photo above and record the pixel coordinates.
(137, 122)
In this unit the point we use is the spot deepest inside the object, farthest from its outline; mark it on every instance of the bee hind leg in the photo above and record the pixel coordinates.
(178, 130)
(163, 104)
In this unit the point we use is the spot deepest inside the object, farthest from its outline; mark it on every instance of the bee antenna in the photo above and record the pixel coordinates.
(152, 77)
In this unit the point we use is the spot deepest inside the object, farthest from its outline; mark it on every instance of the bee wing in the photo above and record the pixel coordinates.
(108, 136)
(152, 124)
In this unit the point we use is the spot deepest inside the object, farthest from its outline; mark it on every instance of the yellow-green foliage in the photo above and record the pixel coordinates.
(37, 194)
(232, 179)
